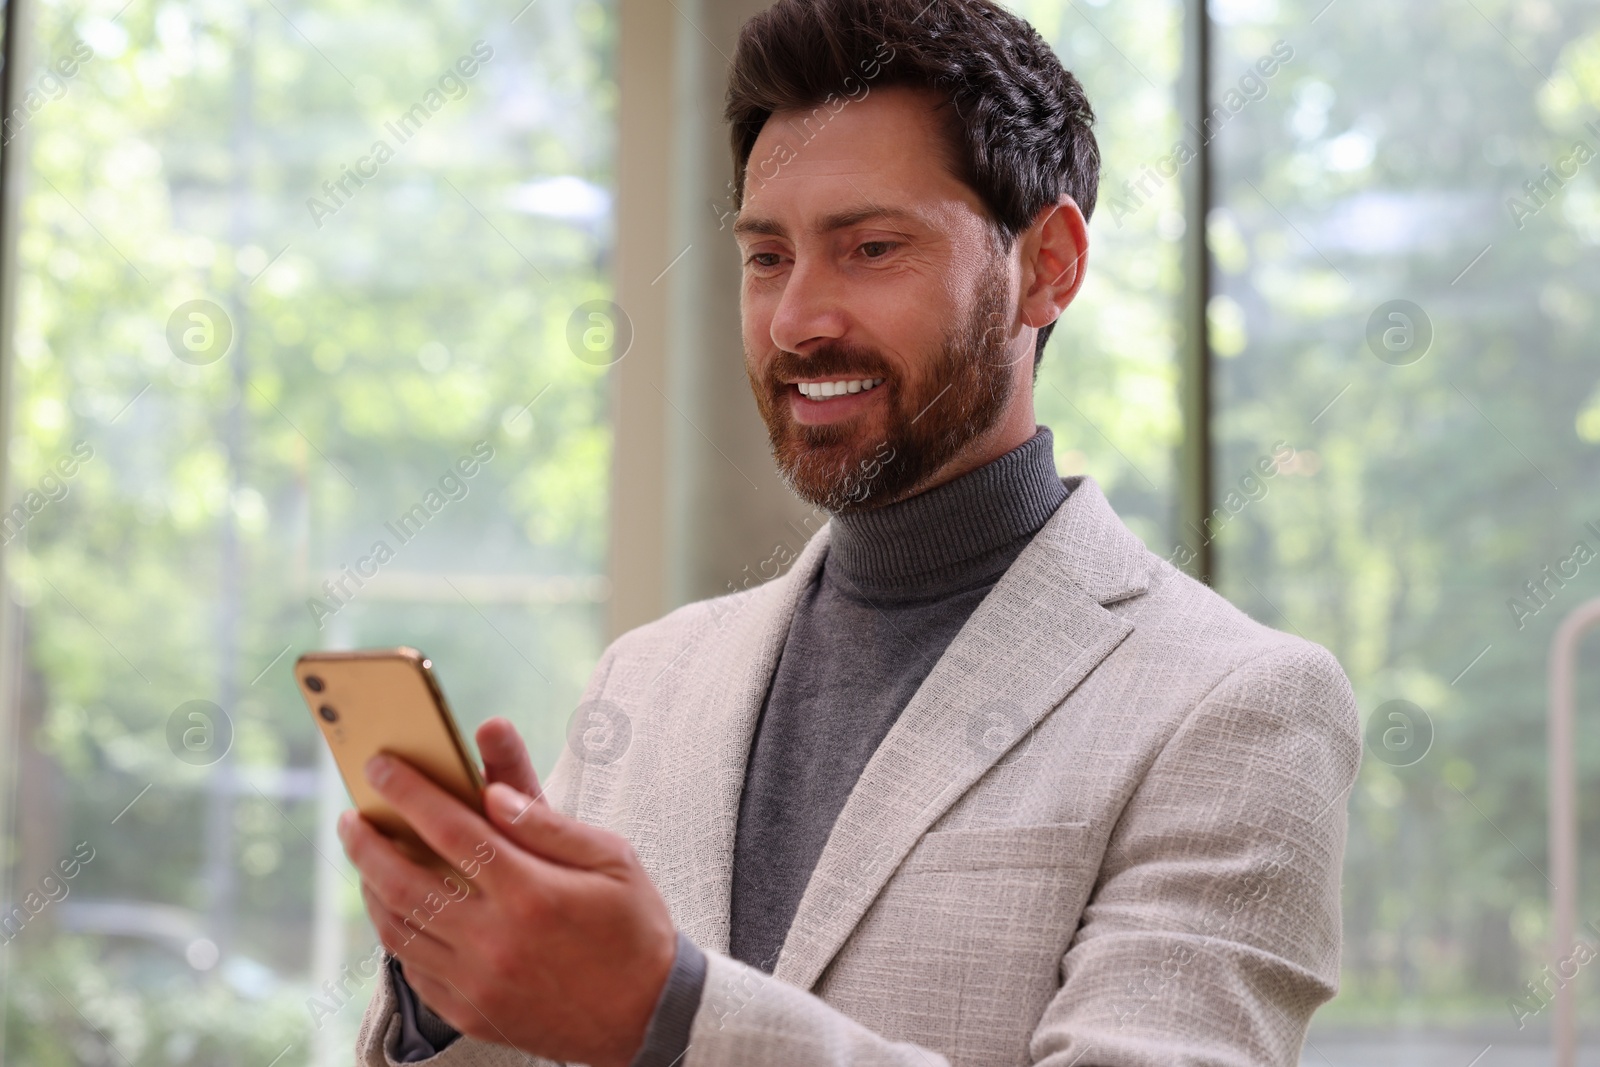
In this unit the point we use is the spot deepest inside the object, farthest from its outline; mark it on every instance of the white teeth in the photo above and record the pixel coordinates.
(822, 390)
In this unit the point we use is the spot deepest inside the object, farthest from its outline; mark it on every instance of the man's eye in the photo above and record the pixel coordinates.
(760, 259)
(877, 249)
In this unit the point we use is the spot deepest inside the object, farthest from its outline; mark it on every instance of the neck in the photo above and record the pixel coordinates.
(1010, 433)
(965, 530)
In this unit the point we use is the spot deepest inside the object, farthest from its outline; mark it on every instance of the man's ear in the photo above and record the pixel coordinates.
(1055, 253)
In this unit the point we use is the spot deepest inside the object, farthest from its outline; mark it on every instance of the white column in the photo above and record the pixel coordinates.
(694, 497)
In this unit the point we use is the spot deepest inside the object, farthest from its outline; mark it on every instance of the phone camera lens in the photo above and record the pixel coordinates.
(328, 713)
(313, 683)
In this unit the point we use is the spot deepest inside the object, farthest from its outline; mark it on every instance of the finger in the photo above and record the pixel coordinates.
(446, 825)
(394, 930)
(550, 835)
(411, 938)
(505, 757)
(397, 882)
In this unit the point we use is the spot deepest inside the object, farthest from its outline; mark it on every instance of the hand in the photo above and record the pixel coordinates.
(563, 945)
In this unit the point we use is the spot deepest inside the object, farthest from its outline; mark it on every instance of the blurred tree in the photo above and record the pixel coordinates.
(1435, 470)
(367, 317)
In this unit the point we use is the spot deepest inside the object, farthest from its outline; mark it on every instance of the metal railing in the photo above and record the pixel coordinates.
(1564, 810)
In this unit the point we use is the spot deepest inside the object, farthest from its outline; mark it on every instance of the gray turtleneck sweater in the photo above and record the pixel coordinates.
(895, 588)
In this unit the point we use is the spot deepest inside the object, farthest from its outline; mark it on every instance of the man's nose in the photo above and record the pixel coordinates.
(811, 309)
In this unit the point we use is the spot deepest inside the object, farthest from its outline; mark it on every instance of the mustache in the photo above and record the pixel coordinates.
(832, 359)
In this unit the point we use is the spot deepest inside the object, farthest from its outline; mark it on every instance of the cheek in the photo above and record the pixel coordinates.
(756, 308)
(910, 334)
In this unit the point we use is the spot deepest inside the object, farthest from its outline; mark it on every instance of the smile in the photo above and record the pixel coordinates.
(823, 390)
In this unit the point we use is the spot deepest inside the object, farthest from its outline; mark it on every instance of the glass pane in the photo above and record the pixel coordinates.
(1404, 333)
(1108, 386)
(293, 370)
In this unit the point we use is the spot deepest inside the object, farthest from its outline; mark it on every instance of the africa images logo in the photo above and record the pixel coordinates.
(451, 85)
(452, 486)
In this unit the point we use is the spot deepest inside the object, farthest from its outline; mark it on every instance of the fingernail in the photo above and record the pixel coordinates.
(379, 768)
(507, 802)
(347, 822)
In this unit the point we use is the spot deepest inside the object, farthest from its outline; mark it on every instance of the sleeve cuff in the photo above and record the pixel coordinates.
(666, 1039)
(422, 1033)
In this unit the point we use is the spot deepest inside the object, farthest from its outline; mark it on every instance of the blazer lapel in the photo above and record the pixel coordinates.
(1038, 633)
(707, 732)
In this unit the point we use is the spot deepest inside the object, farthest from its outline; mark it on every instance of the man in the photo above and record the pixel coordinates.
(980, 779)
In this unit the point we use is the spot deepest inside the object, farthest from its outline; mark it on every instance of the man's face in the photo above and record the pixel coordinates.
(873, 275)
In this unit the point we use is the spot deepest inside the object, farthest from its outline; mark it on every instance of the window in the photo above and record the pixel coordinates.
(279, 266)
(1108, 386)
(1403, 329)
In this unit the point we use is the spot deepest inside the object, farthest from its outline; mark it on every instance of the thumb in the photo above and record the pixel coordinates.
(505, 757)
(550, 835)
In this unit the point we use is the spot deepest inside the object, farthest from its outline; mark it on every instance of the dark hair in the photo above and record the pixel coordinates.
(1021, 129)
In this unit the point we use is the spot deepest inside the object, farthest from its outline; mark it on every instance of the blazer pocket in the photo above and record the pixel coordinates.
(999, 848)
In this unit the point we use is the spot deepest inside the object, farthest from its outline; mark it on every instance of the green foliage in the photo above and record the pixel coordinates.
(1422, 496)
(1108, 384)
(83, 1005)
(379, 332)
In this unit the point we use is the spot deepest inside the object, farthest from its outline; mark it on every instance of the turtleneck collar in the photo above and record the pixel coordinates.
(956, 535)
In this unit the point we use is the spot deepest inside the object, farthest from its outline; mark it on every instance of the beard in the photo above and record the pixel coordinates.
(943, 404)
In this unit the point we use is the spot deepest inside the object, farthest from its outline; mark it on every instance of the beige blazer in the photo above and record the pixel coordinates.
(1105, 832)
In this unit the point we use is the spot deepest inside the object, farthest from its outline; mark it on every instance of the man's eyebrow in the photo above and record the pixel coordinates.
(839, 220)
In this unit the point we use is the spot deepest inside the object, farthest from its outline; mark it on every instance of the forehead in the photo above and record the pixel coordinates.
(887, 150)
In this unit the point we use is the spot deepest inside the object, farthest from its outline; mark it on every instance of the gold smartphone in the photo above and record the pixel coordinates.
(387, 700)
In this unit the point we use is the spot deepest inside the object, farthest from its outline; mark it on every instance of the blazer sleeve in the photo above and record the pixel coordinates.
(1213, 931)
